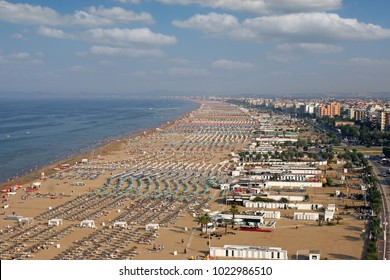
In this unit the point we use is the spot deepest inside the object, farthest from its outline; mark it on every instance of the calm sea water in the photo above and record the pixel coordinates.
(37, 132)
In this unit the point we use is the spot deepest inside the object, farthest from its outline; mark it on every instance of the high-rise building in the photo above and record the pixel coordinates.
(360, 115)
(351, 113)
(331, 109)
(383, 119)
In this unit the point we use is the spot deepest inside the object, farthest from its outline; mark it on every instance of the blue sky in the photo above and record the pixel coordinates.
(194, 47)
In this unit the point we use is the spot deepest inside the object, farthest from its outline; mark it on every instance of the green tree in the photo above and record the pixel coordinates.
(203, 221)
(284, 200)
(386, 151)
(329, 181)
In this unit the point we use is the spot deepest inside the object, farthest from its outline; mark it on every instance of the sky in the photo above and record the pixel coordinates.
(194, 47)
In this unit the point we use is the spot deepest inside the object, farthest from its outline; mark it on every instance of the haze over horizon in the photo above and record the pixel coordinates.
(199, 47)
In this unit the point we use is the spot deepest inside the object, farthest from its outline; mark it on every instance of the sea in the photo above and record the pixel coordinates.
(34, 133)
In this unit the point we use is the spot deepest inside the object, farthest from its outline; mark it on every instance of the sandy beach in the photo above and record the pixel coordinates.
(158, 177)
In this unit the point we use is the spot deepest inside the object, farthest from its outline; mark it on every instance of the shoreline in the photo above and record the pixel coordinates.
(161, 178)
(104, 148)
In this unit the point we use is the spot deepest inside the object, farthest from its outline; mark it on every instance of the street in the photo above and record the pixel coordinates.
(384, 184)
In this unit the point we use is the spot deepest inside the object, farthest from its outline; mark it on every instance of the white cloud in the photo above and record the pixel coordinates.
(212, 23)
(308, 47)
(91, 17)
(129, 1)
(20, 58)
(125, 52)
(369, 62)
(264, 6)
(28, 14)
(54, 33)
(279, 57)
(188, 72)
(118, 14)
(17, 36)
(231, 65)
(78, 68)
(127, 36)
(302, 27)
(315, 27)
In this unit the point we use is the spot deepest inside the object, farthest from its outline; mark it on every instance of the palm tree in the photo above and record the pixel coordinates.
(234, 210)
(204, 220)
(225, 221)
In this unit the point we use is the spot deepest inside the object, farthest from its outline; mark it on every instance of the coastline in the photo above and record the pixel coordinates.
(107, 146)
(162, 178)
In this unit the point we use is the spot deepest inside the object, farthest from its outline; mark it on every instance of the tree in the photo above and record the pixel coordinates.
(204, 220)
(386, 151)
(376, 227)
(348, 165)
(284, 200)
(225, 222)
(234, 211)
(368, 169)
(329, 181)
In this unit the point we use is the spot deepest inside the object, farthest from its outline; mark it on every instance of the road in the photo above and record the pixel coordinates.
(384, 183)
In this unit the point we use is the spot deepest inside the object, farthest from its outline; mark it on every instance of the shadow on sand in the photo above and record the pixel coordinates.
(342, 257)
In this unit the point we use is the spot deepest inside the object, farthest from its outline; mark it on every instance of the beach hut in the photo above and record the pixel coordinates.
(152, 227)
(314, 255)
(26, 220)
(249, 252)
(54, 222)
(87, 223)
(120, 225)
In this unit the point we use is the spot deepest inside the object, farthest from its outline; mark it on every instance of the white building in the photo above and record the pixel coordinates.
(120, 225)
(249, 252)
(87, 223)
(54, 222)
(306, 216)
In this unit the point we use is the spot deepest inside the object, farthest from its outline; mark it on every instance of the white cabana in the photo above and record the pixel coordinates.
(152, 227)
(120, 225)
(54, 222)
(249, 252)
(26, 220)
(36, 185)
(87, 223)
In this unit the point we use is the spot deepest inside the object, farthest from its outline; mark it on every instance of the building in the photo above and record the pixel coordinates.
(330, 110)
(360, 115)
(249, 252)
(351, 113)
(383, 119)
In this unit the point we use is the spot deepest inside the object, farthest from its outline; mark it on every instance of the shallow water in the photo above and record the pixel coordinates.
(34, 133)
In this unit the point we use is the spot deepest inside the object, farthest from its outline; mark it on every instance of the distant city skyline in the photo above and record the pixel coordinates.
(195, 47)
